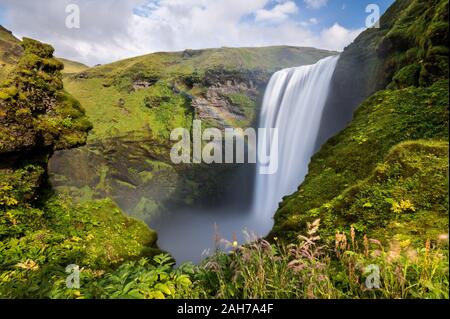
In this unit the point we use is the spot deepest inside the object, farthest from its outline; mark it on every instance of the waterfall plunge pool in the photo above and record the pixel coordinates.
(190, 235)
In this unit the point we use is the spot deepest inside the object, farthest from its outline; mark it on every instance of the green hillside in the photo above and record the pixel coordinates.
(136, 88)
(169, 64)
(71, 67)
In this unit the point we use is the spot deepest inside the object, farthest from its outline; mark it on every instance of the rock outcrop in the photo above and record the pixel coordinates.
(218, 105)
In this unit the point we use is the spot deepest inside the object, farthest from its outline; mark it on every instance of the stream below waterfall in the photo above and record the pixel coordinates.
(293, 103)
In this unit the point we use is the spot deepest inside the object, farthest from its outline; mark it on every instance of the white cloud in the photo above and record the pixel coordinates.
(309, 22)
(278, 13)
(316, 4)
(111, 31)
(338, 34)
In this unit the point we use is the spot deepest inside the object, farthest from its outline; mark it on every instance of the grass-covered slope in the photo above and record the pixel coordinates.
(387, 172)
(168, 64)
(384, 120)
(155, 92)
(71, 67)
(118, 113)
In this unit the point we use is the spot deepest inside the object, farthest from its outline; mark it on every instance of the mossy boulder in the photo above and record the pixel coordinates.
(35, 112)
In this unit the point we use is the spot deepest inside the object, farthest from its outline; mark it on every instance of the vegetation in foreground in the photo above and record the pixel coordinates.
(305, 269)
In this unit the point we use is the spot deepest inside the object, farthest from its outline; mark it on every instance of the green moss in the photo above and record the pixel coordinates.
(95, 236)
(405, 196)
(384, 120)
(8, 93)
(38, 111)
(36, 48)
(404, 39)
(407, 76)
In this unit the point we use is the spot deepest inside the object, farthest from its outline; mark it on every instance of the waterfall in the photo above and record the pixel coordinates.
(293, 103)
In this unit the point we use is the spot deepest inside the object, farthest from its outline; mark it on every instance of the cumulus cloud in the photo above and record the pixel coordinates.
(279, 13)
(316, 4)
(115, 29)
(338, 34)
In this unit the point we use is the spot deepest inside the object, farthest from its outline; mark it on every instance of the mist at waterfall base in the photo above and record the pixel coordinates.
(293, 103)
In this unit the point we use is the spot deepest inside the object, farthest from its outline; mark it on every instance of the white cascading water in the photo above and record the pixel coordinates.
(293, 103)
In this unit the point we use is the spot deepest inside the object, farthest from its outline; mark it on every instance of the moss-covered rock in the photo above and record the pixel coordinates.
(35, 111)
(405, 197)
(40, 234)
(384, 120)
(409, 49)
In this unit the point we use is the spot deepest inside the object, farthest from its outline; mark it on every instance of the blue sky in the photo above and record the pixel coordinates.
(116, 29)
(349, 14)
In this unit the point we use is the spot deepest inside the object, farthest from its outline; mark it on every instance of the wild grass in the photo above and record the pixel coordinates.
(308, 270)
